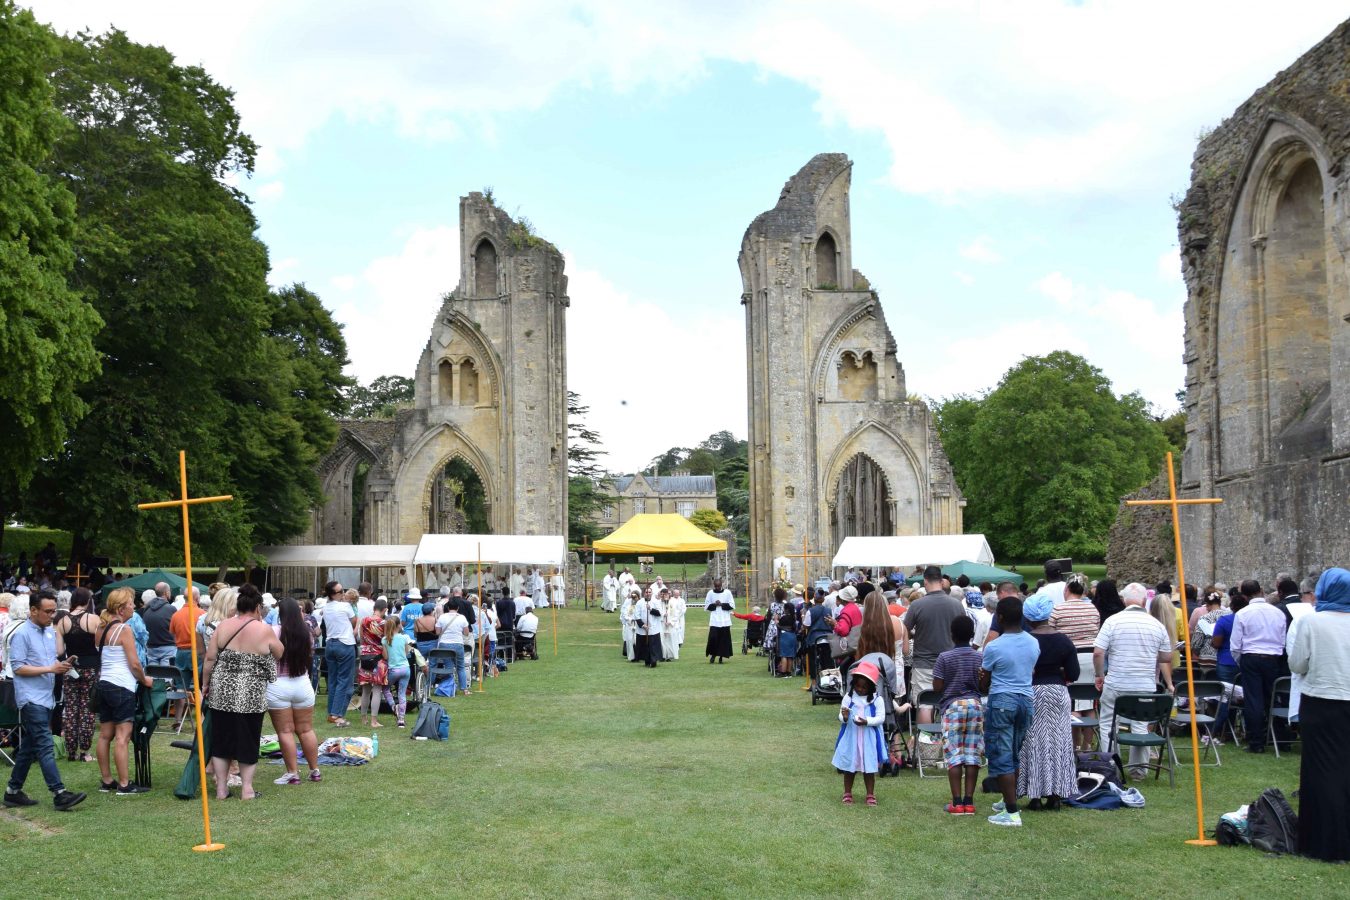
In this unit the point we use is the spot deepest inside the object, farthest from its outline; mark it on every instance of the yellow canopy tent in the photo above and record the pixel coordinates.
(663, 533)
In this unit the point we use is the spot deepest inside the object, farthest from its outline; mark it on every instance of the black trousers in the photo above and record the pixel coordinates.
(653, 650)
(1258, 674)
(640, 649)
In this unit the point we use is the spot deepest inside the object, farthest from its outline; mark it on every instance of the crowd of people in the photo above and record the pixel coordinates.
(994, 664)
(72, 666)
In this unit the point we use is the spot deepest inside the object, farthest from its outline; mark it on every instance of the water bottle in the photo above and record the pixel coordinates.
(375, 745)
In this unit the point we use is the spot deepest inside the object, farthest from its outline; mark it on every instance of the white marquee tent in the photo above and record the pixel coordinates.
(539, 550)
(915, 550)
(337, 555)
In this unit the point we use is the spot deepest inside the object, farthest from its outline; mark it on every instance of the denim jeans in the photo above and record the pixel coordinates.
(35, 744)
(162, 656)
(398, 688)
(1007, 719)
(340, 663)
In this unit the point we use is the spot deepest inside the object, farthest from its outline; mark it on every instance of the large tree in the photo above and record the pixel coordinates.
(199, 353)
(586, 478)
(46, 328)
(380, 399)
(1045, 457)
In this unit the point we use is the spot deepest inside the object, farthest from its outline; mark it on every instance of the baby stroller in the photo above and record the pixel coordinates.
(754, 636)
(827, 679)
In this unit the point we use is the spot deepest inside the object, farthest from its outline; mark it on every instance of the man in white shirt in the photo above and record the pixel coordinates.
(1139, 652)
(523, 603)
(527, 626)
(648, 627)
(720, 604)
(339, 654)
(1257, 645)
(610, 591)
(365, 603)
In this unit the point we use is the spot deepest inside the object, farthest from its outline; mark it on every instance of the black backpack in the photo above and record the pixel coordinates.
(1097, 762)
(1272, 825)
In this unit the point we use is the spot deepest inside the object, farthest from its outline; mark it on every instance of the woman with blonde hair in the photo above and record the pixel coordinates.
(223, 606)
(120, 673)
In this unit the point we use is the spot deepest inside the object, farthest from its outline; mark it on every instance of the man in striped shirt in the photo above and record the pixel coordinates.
(1139, 651)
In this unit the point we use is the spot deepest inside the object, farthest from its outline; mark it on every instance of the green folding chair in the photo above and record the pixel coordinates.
(1156, 711)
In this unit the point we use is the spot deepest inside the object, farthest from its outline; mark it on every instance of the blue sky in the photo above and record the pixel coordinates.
(1013, 169)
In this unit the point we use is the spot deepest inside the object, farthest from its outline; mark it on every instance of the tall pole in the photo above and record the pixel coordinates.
(1200, 840)
(482, 632)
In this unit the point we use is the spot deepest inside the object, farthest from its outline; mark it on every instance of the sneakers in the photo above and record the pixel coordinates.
(131, 789)
(18, 798)
(107, 787)
(64, 800)
(315, 775)
(1007, 819)
(288, 778)
(999, 806)
(958, 809)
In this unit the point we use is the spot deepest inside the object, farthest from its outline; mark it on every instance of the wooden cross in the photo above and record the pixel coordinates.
(806, 558)
(1175, 503)
(78, 578)
(746, 571)
(184, 502)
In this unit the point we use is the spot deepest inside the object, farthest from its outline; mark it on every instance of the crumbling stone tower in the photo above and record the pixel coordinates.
(837, 448)
(1264, 232)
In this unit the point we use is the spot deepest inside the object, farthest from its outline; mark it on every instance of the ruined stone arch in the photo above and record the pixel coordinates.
(487, 364)
(832, 346)
(485, 278)
(333, 521)
(907, 493)
(828, 261)
(1270, 345)
(423, 465)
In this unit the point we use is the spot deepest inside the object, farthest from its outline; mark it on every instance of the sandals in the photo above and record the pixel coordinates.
(871, 800)
(848, 798)
(340, 722)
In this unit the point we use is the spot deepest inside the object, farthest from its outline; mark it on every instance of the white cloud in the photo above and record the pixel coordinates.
(1169, 266)
(972, 98)
(964, 277)
(1057, 287)
(980, 251)
(280, 269)
(268, 190)
(343, 283)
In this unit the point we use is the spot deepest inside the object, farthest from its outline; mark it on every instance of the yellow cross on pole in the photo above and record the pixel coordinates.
(1176, 504)
(806, 558)
(183, 502)
(553, 605)
(746, 571)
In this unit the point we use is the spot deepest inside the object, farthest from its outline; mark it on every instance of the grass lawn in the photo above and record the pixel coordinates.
(583, 775)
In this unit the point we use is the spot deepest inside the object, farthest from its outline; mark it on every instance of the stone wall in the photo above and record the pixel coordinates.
(1264, 232)
(1140, 546)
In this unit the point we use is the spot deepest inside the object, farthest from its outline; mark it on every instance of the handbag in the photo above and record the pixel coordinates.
(369, 662)
(843, 646)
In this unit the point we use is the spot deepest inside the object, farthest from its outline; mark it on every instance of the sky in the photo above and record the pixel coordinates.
(1014, 169)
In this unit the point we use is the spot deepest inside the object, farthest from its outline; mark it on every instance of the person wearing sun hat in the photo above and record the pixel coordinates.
(860, 746)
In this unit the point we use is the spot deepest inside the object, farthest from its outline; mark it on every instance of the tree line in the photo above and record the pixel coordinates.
(135, 311)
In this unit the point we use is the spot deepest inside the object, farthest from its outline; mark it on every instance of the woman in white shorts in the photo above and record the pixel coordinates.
(290, 699)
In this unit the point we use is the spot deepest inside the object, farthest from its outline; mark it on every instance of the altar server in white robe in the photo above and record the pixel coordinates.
(677, 608)
(626, 582)
(629, 632)
(516, 581)
(610, 588)
(558, 582)
(537, 589)
(670, 645)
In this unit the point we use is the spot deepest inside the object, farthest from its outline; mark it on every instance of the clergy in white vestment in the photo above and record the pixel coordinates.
(457, 578)
(558, 582)
(626, 582)
(537, 589)
(676, 610)
(515, 582)
(629, 632)
(610, 590)
(657, 586)
(670, 647)
(647, 618)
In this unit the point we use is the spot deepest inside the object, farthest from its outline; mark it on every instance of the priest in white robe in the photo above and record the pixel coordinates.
(670, 646)
(626, 620)
(609, 591)
(677, 608)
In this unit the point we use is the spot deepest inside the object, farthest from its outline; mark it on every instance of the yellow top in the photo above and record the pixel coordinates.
(663, 533)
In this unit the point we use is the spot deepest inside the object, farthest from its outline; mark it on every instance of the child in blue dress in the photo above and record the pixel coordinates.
(860, 746)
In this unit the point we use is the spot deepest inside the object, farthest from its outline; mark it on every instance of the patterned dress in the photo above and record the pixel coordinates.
(372, 644)
(860, 748)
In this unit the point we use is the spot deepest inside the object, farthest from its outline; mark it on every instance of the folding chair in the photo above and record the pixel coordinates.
(9, 722)
(1154, 710)
(933, 699)
(175, 690)
(1279, 709)
(1087, 691)
(1205, 691)
(506, 645)
(440, 663)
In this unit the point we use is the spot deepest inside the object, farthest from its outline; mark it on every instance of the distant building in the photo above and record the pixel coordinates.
(678, 492)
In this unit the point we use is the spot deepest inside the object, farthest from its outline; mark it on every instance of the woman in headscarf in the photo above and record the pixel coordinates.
(1048, 769)
(1320, 652)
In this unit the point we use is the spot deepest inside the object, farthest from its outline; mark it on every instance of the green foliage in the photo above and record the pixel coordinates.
(27, 539)
(198, 352)
(1174, 429)
(586, 495)
(380, 399)
(46, 328)
(1045, 457)
(701, 461)
(709, 520)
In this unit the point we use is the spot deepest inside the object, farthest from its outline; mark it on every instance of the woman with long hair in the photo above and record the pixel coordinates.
(120, 673)
(75, 641)
(240, 663)
(290, 699)
(1107, 599)
(223, 606)
(396, 646)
